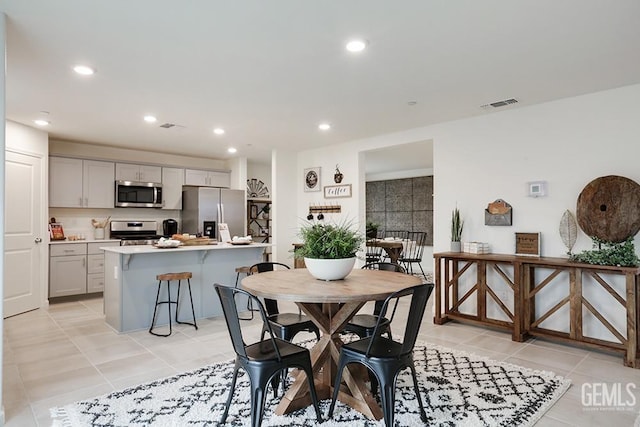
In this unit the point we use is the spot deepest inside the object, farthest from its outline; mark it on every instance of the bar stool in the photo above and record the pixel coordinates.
(168, 277)
(245, 269)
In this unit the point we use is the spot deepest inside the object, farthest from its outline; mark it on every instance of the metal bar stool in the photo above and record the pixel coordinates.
(168, 277)
(246, 270)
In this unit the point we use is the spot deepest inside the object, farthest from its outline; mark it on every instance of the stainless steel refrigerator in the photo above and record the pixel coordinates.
(203, 208)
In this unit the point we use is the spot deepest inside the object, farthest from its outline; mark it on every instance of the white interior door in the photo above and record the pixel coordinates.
(23, 239)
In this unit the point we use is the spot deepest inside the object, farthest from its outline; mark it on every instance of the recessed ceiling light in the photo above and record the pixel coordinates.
(324, 126)
(150, 119)
(218, 131)
(356, 45)
(84, 70)
(41, 122)
(231, 150)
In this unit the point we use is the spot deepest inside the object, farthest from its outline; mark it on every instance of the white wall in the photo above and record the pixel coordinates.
(103, 152)
(262, 172)
(3, 44)
(283, 208)
(567, 143)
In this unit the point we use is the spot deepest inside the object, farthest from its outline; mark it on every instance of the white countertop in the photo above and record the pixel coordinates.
(148, 249)
(59, 242)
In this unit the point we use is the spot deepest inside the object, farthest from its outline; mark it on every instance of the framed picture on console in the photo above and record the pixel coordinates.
(528, 244)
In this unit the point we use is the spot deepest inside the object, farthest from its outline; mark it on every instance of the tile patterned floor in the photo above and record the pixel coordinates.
(67, 353)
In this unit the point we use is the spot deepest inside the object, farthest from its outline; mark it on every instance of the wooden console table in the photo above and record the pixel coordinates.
(524, 278)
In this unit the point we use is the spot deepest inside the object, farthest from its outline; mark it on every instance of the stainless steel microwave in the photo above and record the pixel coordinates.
(130, 194)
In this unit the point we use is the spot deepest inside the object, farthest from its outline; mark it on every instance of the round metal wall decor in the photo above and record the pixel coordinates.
(609, 208)
(256, 188)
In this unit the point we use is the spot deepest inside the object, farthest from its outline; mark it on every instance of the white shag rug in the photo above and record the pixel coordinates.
(457, 389)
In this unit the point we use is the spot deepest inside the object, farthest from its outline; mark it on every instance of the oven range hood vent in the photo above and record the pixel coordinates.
(499, 104)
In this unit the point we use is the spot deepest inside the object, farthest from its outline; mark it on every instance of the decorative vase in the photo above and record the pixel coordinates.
(98, 233)
(330, 269)
(456, 246)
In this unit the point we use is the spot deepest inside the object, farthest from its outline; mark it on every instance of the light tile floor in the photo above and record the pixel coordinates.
(66, 353)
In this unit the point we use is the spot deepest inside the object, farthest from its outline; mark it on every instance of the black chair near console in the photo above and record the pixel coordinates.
(264, 360)
(286, 325)
(412, 251)
(386, 357)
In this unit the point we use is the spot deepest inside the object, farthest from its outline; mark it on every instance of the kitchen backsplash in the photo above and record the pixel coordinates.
(78, 221)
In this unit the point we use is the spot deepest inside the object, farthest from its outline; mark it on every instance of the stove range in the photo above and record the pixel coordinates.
(134, 232)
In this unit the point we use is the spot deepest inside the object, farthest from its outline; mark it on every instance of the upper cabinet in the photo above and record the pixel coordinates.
(139, 173)
(205, 178)
(172, 181)
(76, 183)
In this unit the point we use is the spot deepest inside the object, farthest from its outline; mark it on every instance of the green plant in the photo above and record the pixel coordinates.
(372, 229)
(622, 254)
(456, 225)
(329, 241)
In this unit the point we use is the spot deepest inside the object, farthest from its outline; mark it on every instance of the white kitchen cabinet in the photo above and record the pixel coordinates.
(77, 183)
(65, 182)
(95, 265)
(206, 178)
(98, 184)
(172, 182)
(139, 173)
(67, 270)
(76, 268)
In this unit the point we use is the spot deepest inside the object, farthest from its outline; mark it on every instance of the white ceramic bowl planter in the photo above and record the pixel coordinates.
(330, 269)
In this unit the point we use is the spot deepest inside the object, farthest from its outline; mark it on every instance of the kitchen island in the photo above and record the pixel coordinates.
(130, 284)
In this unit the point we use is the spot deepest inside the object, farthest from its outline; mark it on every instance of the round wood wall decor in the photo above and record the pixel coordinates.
(609, 208)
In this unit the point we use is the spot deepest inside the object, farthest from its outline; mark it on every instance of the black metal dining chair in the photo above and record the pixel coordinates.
(373, 253)
(286, 325)
(364, 324)
(264, 360)
(386, 357)
(412, 251)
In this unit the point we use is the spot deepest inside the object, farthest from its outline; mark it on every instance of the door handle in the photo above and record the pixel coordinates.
(37, 240)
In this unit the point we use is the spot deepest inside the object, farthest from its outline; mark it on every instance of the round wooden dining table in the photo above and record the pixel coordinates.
(393, 248)
(330, 305)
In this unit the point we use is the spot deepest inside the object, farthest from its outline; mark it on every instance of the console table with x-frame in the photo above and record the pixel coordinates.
(522, 314)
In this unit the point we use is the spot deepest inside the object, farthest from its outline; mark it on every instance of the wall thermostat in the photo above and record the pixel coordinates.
(537, 188)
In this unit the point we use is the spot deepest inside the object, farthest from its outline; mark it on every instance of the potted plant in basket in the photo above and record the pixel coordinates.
(329, 250)
(456, 230)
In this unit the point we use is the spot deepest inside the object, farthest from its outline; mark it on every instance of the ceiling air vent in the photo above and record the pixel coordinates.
(171, 125)
(498, 104)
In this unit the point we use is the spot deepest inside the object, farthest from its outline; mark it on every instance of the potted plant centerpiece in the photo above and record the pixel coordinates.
(456, 230)
(329, 250)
